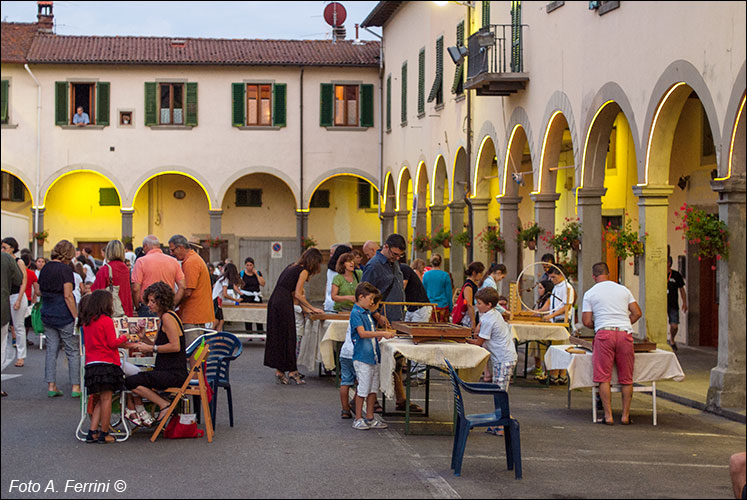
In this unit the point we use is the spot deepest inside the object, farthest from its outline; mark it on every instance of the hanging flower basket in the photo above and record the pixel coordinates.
(624, 241)
(491, 240)
(41, 236)
(463, 239)
(529, 234)
(214, 242)
(707, 231)
(308, 242)
(442, 239)
(422, 242)
(566, 240)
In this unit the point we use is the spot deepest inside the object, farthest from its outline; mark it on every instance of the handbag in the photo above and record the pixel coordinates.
(36, 321)
(460, 308)
(114, 289)
(182, 427)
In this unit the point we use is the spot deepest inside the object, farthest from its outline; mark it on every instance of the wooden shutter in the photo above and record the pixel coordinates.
(458, 86)
(102, 103)
(389, 102)
(237, 105)
(485, 14)
(4, 101)
(403, 117)
(367, 105)
(438, 84)
(279, 112)
(151, 104)
(191, 104)
(421, 81)
(326, 109)
(60, 103)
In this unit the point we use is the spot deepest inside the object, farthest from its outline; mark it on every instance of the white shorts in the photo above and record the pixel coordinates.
(368, 378)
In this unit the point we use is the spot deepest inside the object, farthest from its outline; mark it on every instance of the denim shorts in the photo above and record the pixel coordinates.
(347, 372)
(674, 316)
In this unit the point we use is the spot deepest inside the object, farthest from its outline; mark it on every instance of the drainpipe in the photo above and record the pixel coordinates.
(38, 156)
(381, 128)
(471, 229)
(303, 215)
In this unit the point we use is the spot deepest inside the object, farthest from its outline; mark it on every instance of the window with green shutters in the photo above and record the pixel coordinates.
(93, 97)
(367, 105)
(60, 103)
(151, 106)
(437, 90)
(346, 105)
(485, 14)
(102, 103)
(108, 197)
(259, 104)
(169, 103)
(458, 86)
(389, 103)
(403, 117)
(4, 102)
(421, 83)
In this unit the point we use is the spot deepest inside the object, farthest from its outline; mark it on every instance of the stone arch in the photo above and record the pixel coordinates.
(483, 167)
(558, 106)
(361, 174)
(516, 143)
(403, 180)
(421, 183)
(21, 177)
(665, 106)
(73, 169)
(610, 101)
(439, 180)
(459, 176)
(734, 132)
(389, 193)
(186, 172)
(283, 176)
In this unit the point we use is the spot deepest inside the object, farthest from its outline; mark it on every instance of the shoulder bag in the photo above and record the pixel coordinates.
(114, 289)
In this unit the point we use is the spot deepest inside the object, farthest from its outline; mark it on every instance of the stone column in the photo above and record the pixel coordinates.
(387, 225)
(456, 252)
(127, 223)
(509, 223)
(544, 215)
(480, 221)
(653, 203)
(39, 228)
(215, 232)
(590, 217)
(421, 227)
(727, 388)
(302, 228)
(403, 221)
(437, 218)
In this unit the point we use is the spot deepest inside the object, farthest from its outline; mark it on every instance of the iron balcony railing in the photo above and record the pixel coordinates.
(497, 48)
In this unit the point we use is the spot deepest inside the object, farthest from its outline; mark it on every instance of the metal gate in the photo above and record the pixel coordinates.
(260, 250)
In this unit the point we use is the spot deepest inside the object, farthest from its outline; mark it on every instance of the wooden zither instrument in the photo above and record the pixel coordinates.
(517, 312)
(422, 332)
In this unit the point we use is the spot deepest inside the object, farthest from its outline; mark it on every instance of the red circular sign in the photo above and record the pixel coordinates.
(333, 10)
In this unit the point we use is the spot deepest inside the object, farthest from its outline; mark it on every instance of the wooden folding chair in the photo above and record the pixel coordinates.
(201, 390)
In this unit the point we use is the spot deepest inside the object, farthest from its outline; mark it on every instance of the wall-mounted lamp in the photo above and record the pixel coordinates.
(682, 183)
(457, 54)
(714, 174)
(179, 194)
(486, 39)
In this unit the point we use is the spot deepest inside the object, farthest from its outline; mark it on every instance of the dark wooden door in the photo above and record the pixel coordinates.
(708, 303)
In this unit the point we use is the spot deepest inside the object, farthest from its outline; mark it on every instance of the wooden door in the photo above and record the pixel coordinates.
(708, 303)
(608, 253)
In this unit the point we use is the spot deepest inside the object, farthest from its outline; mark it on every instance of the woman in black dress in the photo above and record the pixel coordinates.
(280, 347)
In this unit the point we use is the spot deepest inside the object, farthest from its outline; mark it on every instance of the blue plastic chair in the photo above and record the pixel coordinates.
(500, 416)
(224, 348)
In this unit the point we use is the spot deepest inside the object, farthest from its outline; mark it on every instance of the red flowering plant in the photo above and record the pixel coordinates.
(707, 231)
(462, 239)
(570, 266)
(626, 242)
(213, 242)
(308, 242)
(529, 234)
(566, 240)
(422, 242)
(442, 238)
(490, 239)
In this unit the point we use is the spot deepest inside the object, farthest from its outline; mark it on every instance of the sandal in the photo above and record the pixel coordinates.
(18, 364)
(298, 379)
(605, 421)
(133, 417)
(413, 407)
(145, 418)
(162, 414)
(92, 436)
(623, 422)
(346, 414)
(105, 438)
(378, 408)
(282, 378)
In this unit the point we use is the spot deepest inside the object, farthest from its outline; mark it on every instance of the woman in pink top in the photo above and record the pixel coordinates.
(103, 374)
(114, 253)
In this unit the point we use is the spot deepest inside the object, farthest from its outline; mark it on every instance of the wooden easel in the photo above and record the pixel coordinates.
(199, 358)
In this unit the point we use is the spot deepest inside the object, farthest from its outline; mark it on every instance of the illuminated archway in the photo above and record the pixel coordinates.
(255, 198)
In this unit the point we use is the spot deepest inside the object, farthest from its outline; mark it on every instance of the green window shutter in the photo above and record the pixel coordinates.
(4, 102)
(191, 104)
(421, 82)
(403, 117)
(437, 92)
(326, 98)
(151, 113)
(60, 103)
(102, 103)
(485, 14)
(238, 93)
(389, 102)
(458, 86)
(108, 197)
(367, 105)
(279, 101)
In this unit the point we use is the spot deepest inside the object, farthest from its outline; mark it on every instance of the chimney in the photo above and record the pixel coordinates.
(45, 18)
(338, 33)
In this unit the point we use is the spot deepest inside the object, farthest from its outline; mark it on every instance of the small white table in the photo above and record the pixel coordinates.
(246, 313)
(649, 367)
(317, 343)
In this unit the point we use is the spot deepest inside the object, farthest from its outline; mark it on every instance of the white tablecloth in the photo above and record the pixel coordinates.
(247, 314)
(525, 332)
(334, 331)
(649, 366)
(467, 358)
(309, 353)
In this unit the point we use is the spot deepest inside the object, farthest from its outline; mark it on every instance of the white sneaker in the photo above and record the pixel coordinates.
(377, 423)
(361, 424)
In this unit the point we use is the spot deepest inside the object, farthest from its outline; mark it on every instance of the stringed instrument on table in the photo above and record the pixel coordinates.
(517, 313)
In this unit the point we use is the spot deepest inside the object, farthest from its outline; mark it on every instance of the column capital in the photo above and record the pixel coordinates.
(480, 202)
(544, 197)
(402, 213)
(123, 211)
(591, 192)
(653, 191)
(732, 185)
(508, 200)
(456, 205)
(215, 213)
(437, 208)
(41, 210)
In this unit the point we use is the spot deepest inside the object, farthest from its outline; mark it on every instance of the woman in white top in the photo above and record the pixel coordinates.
(227, 287)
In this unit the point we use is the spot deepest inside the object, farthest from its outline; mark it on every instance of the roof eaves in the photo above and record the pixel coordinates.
(381, 14)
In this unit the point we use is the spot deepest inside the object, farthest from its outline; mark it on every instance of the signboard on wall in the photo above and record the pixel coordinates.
(276, 249)
(414, 214)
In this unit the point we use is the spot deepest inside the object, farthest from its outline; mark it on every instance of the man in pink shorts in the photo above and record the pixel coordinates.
(611, 310)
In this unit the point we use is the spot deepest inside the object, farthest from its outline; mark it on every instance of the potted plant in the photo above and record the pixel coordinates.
(442, 238)
(422, 242)
(570, 266)
(41, 236)
(626, 242)
(566, 240)
(707, 231)
(491, 240)
(126, 239)
(529, 234)
(213, 242)
(308, 242)
(462, 239)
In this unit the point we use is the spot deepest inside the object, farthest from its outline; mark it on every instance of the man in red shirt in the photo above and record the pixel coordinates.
(196, 304)
(152, 267)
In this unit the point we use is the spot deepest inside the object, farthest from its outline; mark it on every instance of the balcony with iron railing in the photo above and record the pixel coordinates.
(495, 64)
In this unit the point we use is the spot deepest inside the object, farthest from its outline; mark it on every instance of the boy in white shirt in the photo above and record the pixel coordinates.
(494, 335)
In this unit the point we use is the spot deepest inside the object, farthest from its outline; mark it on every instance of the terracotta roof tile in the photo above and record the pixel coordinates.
(203, 51)
(16, 41)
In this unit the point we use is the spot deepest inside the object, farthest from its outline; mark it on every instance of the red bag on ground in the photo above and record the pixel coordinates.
(182, 427)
